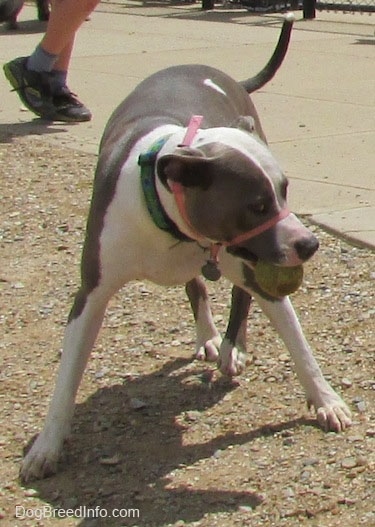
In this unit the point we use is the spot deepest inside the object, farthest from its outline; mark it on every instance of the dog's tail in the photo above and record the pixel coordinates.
(269, 70)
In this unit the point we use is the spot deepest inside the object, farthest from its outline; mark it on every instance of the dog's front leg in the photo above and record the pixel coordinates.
(332, 412)
(233, 349)
(80, 335)
(208, 337)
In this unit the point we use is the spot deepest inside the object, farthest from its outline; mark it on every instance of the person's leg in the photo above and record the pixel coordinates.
(58, 65)
(65, 19)
(40, 79)
(63, 61)
(60, 69)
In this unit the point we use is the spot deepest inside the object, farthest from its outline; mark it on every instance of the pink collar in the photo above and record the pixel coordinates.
(179, 196)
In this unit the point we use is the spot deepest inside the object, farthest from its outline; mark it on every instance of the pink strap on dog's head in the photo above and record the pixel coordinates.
(179, 196)
(259, 229)
(215, 247)
(192, 129)
(177, 188)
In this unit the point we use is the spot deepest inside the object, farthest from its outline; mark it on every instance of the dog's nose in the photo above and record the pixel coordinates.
(306, 247)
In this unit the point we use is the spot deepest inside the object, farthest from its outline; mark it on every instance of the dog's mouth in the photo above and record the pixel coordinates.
(243, 253)
(251, 258)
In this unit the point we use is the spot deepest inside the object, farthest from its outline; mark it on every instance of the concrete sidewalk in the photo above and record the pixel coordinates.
(318, 112)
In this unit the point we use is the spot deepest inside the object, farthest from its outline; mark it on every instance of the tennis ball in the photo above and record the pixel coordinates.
(278, 281)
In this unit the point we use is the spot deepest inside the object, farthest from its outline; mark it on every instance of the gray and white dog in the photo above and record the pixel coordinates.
(174, 200)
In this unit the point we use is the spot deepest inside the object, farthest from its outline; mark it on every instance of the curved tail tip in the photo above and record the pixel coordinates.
(290, 17)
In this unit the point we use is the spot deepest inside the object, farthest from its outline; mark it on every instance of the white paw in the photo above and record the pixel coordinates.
(231, 360)
(41, 461)
(208, 350)
(333, 415)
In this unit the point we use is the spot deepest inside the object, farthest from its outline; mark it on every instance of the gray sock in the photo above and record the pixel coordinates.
(58, 80)
(41, 60)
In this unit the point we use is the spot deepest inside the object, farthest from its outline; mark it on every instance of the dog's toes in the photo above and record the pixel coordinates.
(209, 350)
(334, 418)
(36, 466)
(231, 360)
(231, 369)
(41, 461)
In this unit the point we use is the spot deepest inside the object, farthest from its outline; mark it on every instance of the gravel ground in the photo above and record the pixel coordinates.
(154, 432)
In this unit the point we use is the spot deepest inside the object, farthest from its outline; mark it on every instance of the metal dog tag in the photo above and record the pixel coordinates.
(211, 271)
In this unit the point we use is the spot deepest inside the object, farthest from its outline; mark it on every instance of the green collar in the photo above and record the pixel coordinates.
(147, 163)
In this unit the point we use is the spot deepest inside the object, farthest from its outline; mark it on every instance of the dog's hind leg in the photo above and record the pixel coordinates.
(208, 337)
(332, 412)
(80, 334)
(233, 349)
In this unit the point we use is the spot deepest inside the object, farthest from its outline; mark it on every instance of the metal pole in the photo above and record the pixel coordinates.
(309, 9)
(207, 5)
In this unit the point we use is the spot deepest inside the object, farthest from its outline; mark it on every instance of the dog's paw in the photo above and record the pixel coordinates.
(332, 415)
(40, 462)
(208, 350)
(231, 360)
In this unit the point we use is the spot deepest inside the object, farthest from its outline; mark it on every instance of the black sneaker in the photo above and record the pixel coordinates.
(32, 87)
(35, 92)
(68, 108)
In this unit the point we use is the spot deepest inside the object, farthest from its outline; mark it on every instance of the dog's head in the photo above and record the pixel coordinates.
(233, 186)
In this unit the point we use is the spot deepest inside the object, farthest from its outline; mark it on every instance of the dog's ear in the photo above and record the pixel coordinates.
(246, 123)
(188, 166)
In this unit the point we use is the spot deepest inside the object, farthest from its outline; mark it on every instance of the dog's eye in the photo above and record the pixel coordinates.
(259, 208)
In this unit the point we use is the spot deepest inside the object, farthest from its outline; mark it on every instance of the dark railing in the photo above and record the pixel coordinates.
(309, 7)
(359, 6)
